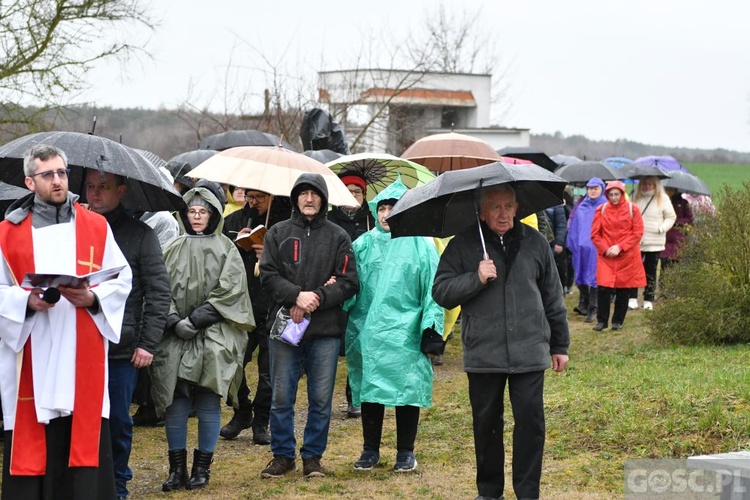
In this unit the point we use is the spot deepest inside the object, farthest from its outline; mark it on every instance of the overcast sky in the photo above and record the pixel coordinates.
(665, 72)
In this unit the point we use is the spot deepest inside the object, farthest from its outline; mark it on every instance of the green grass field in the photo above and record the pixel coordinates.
(716, 175)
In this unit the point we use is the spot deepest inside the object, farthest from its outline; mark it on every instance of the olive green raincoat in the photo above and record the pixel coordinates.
(204, 268)
(393, 307)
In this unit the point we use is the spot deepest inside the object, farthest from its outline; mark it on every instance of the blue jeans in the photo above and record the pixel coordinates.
(122, 378)
(319, 357)
(207, 409)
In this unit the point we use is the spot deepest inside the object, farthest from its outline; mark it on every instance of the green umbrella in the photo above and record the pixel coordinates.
(380, 170)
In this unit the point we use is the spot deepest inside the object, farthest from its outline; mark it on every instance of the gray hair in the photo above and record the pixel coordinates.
(497, 188)
(41, 152)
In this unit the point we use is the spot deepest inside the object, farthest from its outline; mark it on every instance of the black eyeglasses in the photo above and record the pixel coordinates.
(50, 174)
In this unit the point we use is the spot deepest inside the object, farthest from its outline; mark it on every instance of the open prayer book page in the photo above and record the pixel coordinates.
(254, 237)
(32, 280)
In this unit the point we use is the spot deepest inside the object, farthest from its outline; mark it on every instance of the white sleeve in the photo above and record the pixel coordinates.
(14, 327)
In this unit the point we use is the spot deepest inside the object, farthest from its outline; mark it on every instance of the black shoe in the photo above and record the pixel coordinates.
(616, 326)
(580, 309)
(261, 435)
(278, 466)
(201, 472)
(177, 471)
(367, 460)
(438, 360)
(599, 327)
(311, 467)
(405, 461)
(241, 420)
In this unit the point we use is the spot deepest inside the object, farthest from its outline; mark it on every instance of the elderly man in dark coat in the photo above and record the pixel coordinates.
(514, 320)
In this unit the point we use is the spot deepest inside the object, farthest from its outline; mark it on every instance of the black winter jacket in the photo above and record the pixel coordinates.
(355, 225)
(302, 255)
(147, 306)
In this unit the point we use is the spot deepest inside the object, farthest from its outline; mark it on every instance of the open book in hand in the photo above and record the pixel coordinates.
(254, 237)
(32, 280)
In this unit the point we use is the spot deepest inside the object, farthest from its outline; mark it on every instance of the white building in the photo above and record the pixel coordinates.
(402, 106)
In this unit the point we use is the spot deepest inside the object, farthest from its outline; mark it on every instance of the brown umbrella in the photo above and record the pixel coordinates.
(451, 151)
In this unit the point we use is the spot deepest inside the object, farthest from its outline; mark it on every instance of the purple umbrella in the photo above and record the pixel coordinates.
(663, 162)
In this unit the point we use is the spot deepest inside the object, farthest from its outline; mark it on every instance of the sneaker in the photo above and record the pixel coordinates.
(353, 411)
(405, 462)
(311, 467)
(599, 327)
(278, 467)
(648, 305)
(616, 326)
(367, 460)
(261, 435)
(633, 304)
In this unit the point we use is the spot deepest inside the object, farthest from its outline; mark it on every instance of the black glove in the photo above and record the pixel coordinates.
(185, 329)
(432, 342)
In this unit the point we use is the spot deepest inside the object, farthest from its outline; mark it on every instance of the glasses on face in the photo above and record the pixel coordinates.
(255, 197)
(198, 213)
(50, 174)
(356, 192)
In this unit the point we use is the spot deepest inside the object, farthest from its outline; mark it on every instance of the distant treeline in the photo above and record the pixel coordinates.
(168, 132)
(584, 148)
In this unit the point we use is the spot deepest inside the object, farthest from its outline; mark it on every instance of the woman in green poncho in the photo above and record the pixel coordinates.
(199, 359)
(391, 321)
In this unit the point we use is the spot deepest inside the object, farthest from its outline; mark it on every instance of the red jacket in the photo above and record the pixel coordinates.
(621, 225)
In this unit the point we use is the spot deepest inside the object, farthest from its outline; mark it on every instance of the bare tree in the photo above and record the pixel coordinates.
(458, 42)
(46, 47)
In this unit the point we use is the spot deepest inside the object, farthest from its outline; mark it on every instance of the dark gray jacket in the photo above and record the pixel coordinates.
(302, 255)
(514, 323)
(148, 303)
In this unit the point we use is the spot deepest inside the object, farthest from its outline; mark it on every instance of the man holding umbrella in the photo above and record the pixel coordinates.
(514, 319)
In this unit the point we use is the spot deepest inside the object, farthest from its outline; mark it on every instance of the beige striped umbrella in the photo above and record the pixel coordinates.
(272, 170)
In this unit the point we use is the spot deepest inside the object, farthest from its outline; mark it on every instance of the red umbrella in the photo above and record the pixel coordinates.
(451, 151)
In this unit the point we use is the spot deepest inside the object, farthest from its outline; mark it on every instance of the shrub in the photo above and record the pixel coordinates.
(706, 296)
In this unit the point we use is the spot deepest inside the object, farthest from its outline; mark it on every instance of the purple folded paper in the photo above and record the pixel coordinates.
(293, 332)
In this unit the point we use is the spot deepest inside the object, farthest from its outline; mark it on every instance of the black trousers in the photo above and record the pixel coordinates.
(650, 265)
(407, 421)
(486, 392)
(261, 404)
(621, 304)
(62, 482)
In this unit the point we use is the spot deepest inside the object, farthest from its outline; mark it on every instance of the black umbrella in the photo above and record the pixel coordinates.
(448, 205)
(236, 138)
(183, 163)
(148, 190)
(535, 156)
(581, 172)
(563, 160)
(9, 192)
(638, 171)
(685, 182)
(322, 155)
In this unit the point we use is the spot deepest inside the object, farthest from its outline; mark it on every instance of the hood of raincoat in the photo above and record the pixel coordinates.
(310, 181)
(215, 221)
(394, 191)
(615, 185)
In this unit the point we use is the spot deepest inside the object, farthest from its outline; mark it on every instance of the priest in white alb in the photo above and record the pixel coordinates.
(53, 354)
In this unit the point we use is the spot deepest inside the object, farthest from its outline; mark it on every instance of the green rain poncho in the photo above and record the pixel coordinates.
(388, 315)
(204, 268)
